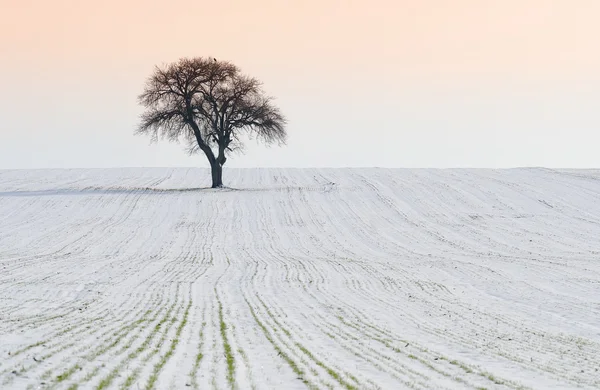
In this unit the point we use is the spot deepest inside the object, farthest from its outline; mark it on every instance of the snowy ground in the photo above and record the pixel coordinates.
(355, 278)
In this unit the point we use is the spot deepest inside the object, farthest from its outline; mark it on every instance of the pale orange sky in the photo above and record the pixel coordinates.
(446, 83)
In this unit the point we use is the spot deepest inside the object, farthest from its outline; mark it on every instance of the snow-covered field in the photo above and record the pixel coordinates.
(318, 278)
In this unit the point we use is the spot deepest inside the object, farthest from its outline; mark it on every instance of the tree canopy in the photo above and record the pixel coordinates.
(208, 104)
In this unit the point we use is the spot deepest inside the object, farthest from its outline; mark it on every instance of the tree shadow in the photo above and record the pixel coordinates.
(98, 191)
(153, 190)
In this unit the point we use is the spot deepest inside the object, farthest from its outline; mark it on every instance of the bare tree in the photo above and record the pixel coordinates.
(208, 103)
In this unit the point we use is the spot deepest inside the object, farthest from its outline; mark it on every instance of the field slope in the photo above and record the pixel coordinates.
(300, 278)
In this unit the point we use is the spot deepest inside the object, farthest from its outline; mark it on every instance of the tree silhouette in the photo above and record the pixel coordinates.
(209, 104)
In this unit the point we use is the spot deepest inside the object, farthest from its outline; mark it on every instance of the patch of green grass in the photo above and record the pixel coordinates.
(228, 354)
(104, 383)
(297, 370)
(484, 374)
(27, 348)
(335, 375)
(388, 343)
(119, 334)
(466, 368)
(37, 344)
(165, 358)
(65, 375)
(107, 380)
(90, 357)
(491, 377)
(91, 374)
(198, 358)
(131, 378)
(330, 371)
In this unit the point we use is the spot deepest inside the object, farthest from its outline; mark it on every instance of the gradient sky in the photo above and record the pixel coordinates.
(398, 83)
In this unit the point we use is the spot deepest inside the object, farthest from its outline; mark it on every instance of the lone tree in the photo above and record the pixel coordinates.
(208, 103)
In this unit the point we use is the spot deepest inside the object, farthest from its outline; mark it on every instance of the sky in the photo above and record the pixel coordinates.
(398, 83)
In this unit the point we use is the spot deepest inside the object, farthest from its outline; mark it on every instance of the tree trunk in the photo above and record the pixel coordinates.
(217, 174)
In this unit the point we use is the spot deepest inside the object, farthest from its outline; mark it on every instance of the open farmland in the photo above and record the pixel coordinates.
(300, 278)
